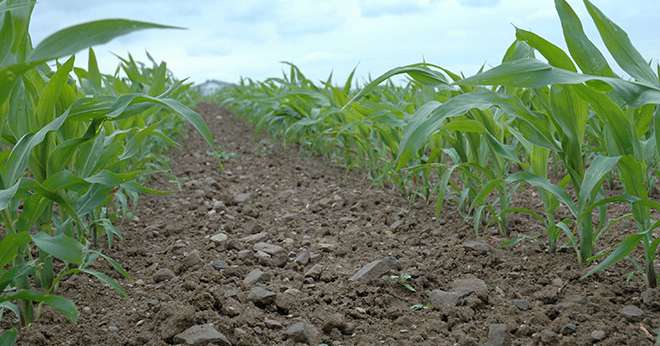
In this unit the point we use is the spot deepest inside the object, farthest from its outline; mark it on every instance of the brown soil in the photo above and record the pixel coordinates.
(305, 203)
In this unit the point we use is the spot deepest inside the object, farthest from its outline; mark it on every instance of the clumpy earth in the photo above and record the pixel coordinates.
(279, 248)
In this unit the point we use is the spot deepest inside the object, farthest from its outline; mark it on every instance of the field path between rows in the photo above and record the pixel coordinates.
(263, 251)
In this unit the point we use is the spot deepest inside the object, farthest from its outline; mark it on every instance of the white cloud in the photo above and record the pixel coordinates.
(227, 39)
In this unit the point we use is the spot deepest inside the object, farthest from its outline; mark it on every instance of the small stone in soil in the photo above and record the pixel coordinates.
(244, 254)
(478, 246)
(442, 299)
(375, 269)
(314, 272)
(303, 332)
(598, 335)
(632, 313)
(468, 286)
(303, 257)
(549, 337)
(192, 260)
(272, 324)
(242, 197)
(568, 329)
(163, 274)
(231, 307)
(286, 300)
(219, 238)
(498, 335)
(261, 296)
(218, 264)
(268, 248)
(261, 236)
(651, 298)
(202, 335)
(521, 304)
(253, 277)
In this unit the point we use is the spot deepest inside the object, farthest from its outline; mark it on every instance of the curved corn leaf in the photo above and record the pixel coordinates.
(619, 45)
(584, 52)
(75, 38)
(622, 251)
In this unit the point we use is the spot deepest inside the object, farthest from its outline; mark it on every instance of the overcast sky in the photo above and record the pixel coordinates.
(227, 39)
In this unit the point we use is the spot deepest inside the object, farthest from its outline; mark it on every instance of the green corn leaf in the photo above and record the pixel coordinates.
(186, 113)
(108, 178)
(429, 118)
(465, 125)
(531, 73)
(518, 50)
(93, 73)
(10, 245)
(75, 38)
(60, 304)
(555, 55)
(106, 280)
(51, 93)
(593, 177)
(418, 72)
(622, 251)
(584, 52)
(18, 158)
(7, 195)
(546, 185)
(8, 337)
(619, 45)
(60, 246)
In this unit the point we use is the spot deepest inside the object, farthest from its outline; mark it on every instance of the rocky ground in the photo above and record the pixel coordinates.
(282, 249)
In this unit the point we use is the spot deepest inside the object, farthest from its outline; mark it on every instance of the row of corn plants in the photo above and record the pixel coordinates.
(563, 123)
(76, 146)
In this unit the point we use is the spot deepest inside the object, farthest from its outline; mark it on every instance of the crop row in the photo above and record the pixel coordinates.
(75, 148)
(563, 124)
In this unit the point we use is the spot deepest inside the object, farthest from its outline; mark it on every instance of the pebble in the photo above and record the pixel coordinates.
(315, 271)
(244, 254)
(261, 296)
(478, 246)
(163, 274)
(442, 299)
(218, 264)
(375, 269)
(568, 329)
(598, 335)
(498, 335)
(303, 257)
(651, 298)
(201, 335)
(303, 332)
(261, 236)
(468, 286)
(549, 337)
(253, 277)
(241, 198)
(191, 260)
(521, 304)
(268, 248)
(632, 313)
(219, 239)
(272, 324)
